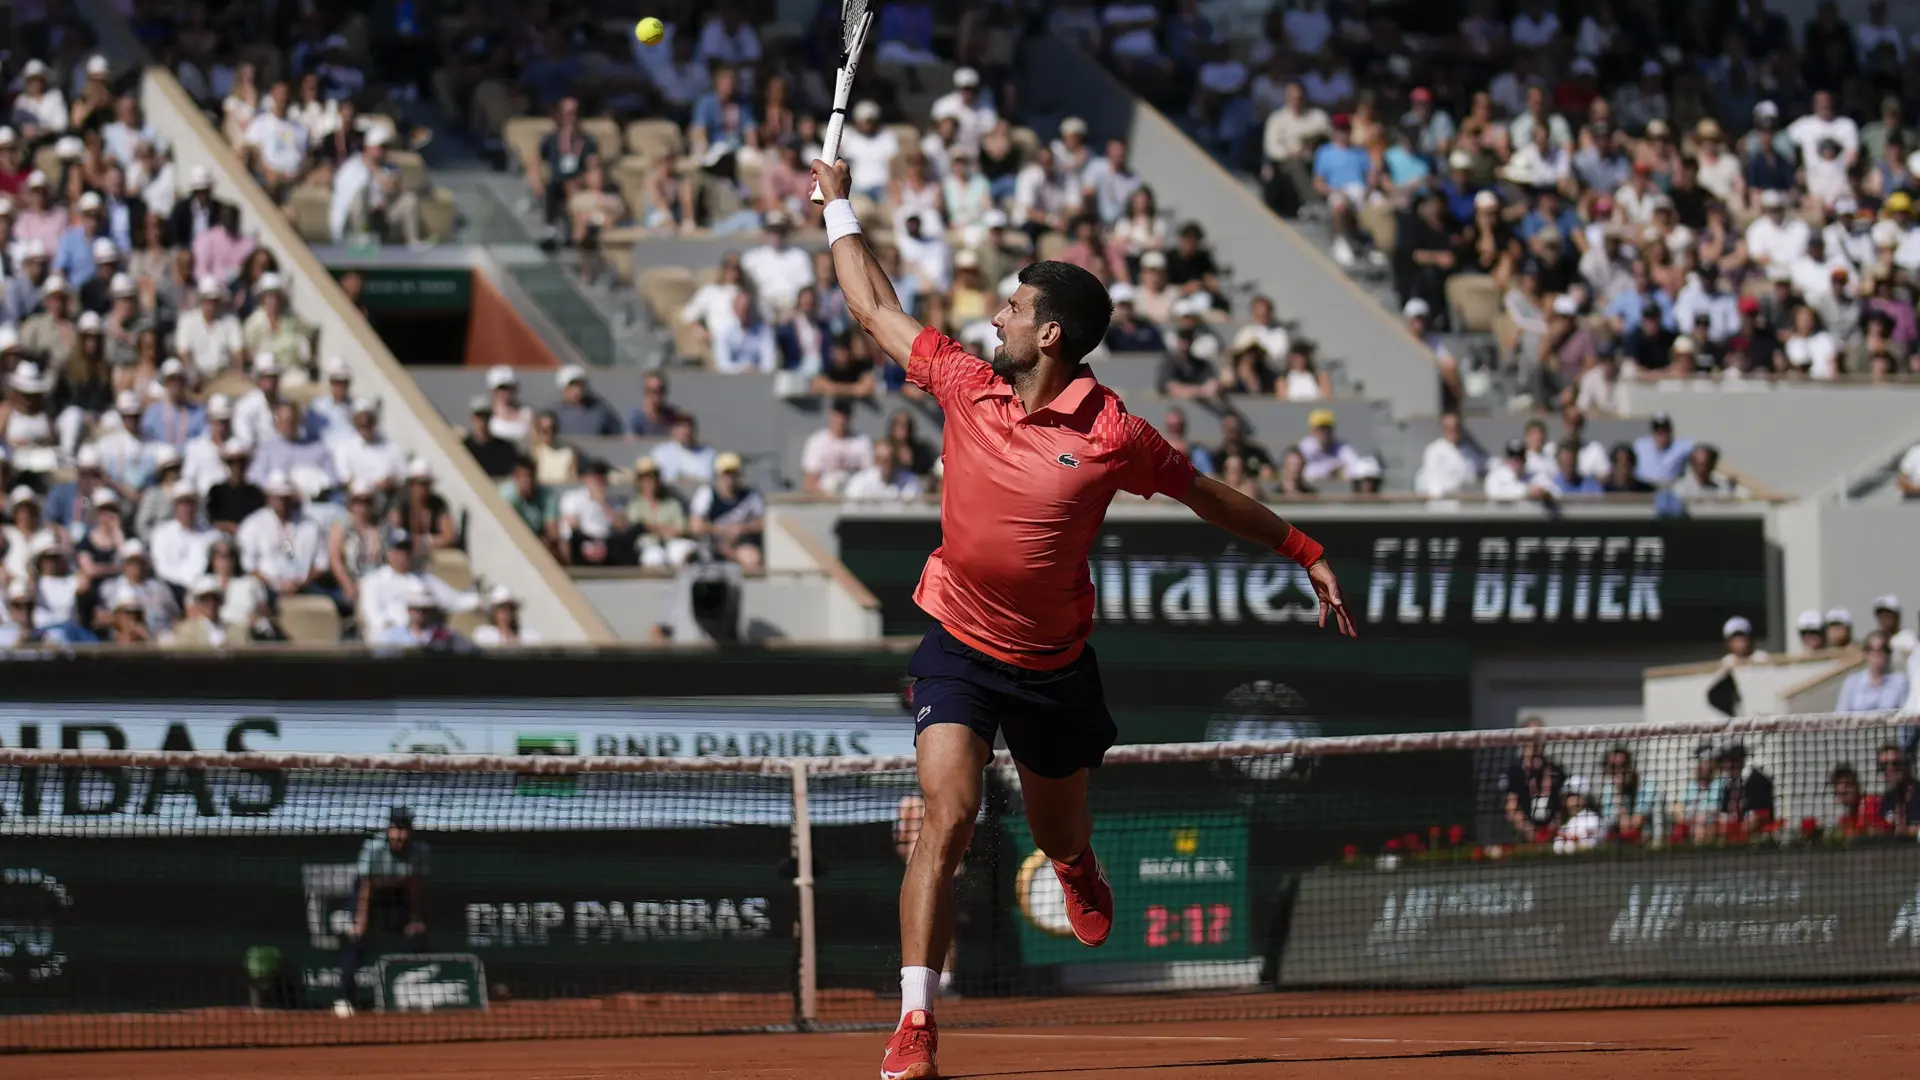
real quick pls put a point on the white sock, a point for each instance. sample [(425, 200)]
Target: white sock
[(916, 989)]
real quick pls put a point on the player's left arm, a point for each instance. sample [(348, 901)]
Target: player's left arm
[(1251, 520)]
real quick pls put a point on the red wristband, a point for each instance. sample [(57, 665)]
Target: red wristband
[(1301, 548)]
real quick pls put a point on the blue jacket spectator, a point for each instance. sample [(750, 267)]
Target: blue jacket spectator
[(1658, 457)]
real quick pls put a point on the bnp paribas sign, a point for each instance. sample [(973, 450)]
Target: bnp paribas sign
[(1424, 576)]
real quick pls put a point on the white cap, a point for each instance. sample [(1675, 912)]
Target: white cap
[(379, 136), (366, 405), (967, 259), (336, 370), (866, 110), (128, 600), (1840, 615), (27, 378), (133, 549), (35, 69), (7, 136), (569, 375), (501, 375), (1459, 159), (1415, 308), (236, 447), (363, 489), (419, 596), (199, 178), (37, 178), (1773, 199), (206, 585), (55, 283), (1886, 234), (21, 495), (418, 469), (1767, 109), (996, 218), (209, 287), (19, 590), (106, 499), (269, 282), (312, 481), (1367, 468), (1153, 260), (126, 401), (1204, 347), (280, 484), (220, 407), (1685, 344), (1565, 305), (33, 249), (265, 363), (89, 323), (965, 77), (1194, 304), (1121, 293), (1073, 125), (1809, 620), (69, 148), (501, 595), (1736, 625), (1576, 785), (166, 457), (184, 489), (121, 285), (97, 67), (87, 203), (1889, 602), (1779, 272), (88, 457), (173, 368), (1486, 200)]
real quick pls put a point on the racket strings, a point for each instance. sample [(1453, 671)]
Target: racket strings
[(852, 14)]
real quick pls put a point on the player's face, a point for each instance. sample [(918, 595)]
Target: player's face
[(1019, 349), (397, 836)]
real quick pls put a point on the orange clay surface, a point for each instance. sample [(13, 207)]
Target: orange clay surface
[(1748, 1043)]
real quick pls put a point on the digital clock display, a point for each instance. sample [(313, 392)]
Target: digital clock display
[(1195, 924)]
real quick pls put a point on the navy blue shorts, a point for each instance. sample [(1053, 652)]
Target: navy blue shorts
[(1055, 722)]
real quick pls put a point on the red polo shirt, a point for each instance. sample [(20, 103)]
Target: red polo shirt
[(1023, 497)]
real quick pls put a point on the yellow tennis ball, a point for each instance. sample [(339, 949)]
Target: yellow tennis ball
[(650, 30)]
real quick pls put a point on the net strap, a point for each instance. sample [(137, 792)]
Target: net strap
[(1148, 753)]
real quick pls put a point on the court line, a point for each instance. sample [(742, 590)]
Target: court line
[(1087, 1038), (1470, 1042)]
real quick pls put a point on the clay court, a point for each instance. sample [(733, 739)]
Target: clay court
[(1751, 1042)]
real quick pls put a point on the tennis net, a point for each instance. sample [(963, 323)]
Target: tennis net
[(154, 899)]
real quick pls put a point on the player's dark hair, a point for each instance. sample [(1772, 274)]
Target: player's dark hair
[(1075, 299)]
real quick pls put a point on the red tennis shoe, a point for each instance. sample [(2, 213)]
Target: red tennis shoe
[(911, 1051), (1089, 898)]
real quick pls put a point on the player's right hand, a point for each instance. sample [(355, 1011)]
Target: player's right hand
[(833, 180), (1328, 590)]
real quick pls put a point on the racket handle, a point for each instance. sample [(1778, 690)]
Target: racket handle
[(830, 141), (818, 198)]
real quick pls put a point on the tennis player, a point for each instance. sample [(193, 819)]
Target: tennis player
[(1034, 450)]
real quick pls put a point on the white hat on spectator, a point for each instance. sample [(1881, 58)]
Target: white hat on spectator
[(133, 549), (1886, 234), (362, 489), (379, 135), (1193, 304), (1889, 602), (106, 499), (265, 363), (269, 282), (501, 596), (1657, 129), (35, 69), (128, 600), (19, 590), (9, 338), (420, 598), (1415, 308), (418, 469), (87, 203), (1073, 125), (1153, 260), (20, 496), (173, 369), (500, 375), (726, 462), (6, 205), (866, 110), (183, 491), (1486, 200), (1204, 347), (88, 457), (1772, 199), (166, 457), (89, 323), (1566, 305), (966, 259), (48, 544), (995, 218), (965, 78), (206, 585), (236, 447), (1809, 620), (1459, 159), (570, 374), (126, 401), (1736, 625), (312, 481), (366, 405), (199, 178), (1778, 272), (69, 148), (1576, 785), (209, 288), (97, 67), (776, 218), (121, 286), (7, 136), (1766, 110), (1840, 616), (1122, 293), (220, 407), (33, 249), (1367, 468), (1685, 344), (336, 369), (37, 178), (55, 283), (280, 485)]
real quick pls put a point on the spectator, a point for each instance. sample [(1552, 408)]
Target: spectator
[(1450, 463), (207, 337), (426, 626), (592, 521), (1509, 479), (1748, 799), (1738, 633), (869, 150), (1155, 296), (136, 589), (423, 513), (1886, 616), (1532, 788), (1187, 372), (846, 375), (1290, 481), (1703, 479), (1342, 173), (384, 592), (728, 515), (1127, 332), (746, 342), (1567, 478), (40, 220), (494, 456), (511, 420), (1234, 441), (553, 462), (1900, 806), (560, 159), (537, 504), (654, 416), (278, 544), (835, 453), (1877, 686), (684, 461), (289, 448), (1659, 458), (1854, 814), (367, 454), (1235, 473), (1623, 476), (199, 211), (52, 333), (368, 198), (199, 627), (1839, 629), (581, 411), (802, 335), (777, 269), (26, 530), (202, 462), (245, 602), (1812, 630), (658, 520), (273, 330), (181, 543), (503, 629), (972, 114), (330, 416), (276, 145), (1583, 828), (1325, 456), (155, 502)]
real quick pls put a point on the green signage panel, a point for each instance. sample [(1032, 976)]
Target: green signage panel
[(1180, 891), (429, 982), (407, 290)]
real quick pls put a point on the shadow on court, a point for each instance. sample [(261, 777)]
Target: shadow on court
[(1217, 1063)]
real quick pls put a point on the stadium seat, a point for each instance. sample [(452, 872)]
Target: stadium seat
[(312, 207), (606, 135), (522, 134), (496, 104), (1052, 244), (1474, 301), (466, 622), (652, 140), (666, 289), (451, 566), (1027, 139), (413, 169), (310, 620), (437, 214)]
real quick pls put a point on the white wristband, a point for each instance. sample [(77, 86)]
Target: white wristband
[(840, 220)]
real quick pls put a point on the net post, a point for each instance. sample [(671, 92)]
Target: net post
[(808, 1003)]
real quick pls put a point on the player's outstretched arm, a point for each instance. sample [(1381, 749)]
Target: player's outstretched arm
[(870, 296), (1250, 520)]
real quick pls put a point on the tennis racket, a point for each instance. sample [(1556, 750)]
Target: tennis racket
[(856, 18)]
